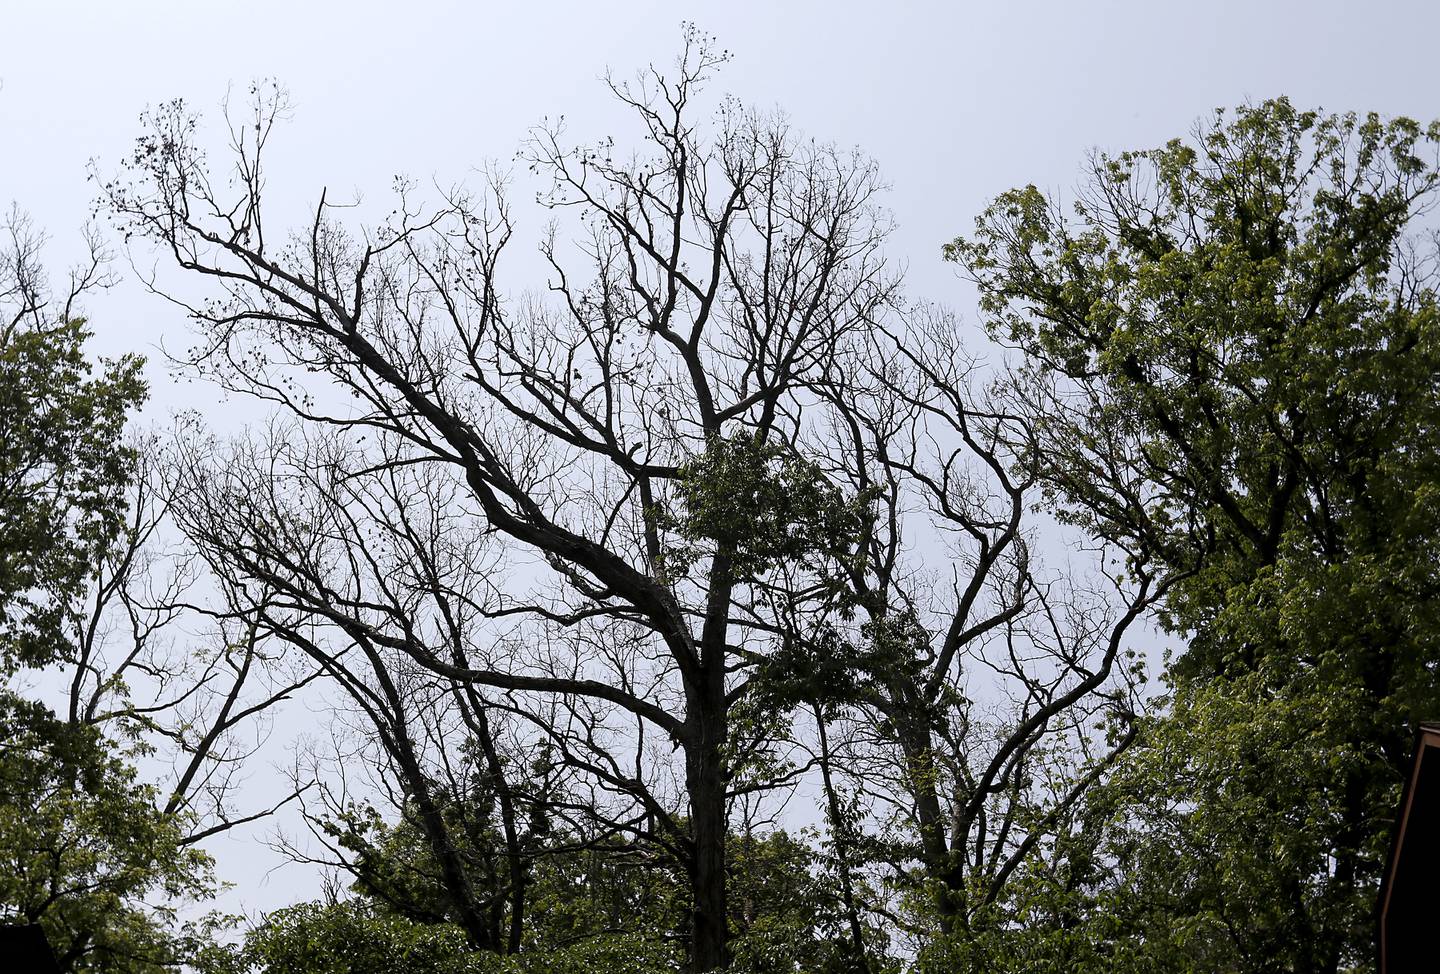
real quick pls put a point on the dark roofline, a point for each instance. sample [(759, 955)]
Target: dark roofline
[(1427, 735)]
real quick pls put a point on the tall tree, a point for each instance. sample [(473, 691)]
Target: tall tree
[(986, 692), (715, 277), (64, 469), (1231, 353)]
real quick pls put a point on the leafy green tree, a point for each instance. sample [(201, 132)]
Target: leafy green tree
[(88, 850), (63, 467), (84, 851), (1230, 352)]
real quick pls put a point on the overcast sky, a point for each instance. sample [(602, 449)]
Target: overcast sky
[(956, 101)]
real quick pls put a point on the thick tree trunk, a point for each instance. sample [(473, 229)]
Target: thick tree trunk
[(709, 927), (707, 780)]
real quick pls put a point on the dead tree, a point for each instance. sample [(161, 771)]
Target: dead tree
[(171, 653), (710, 282), (375, 573)]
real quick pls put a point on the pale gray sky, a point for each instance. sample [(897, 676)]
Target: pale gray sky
[(957, 102)]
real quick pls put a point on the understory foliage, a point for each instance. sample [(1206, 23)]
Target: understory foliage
[(83, 851), (591, 909)]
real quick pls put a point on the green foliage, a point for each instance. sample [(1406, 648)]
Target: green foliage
[(83, 850), (357, 937), (1240, 804), (595, 894), (763, 506), (1233, 348), (786, 916), (610, 907), (351, 938), (829, 667), (394, 864), (63, 474)]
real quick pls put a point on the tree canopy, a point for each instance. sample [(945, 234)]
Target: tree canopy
[(595, 584), (1231, 346)]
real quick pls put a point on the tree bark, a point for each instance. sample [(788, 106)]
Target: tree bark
[(707, 778), (914, 740), (710, 948)]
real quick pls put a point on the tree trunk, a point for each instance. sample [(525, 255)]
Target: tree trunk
[(839, 835), (705, 773), (920, 769), (706, 777)]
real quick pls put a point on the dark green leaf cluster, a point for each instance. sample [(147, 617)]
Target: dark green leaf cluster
[(761, 506)]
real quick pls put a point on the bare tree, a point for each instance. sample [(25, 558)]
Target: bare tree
[(711, 283), (368, 569), (165, 652), (996, 691)]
